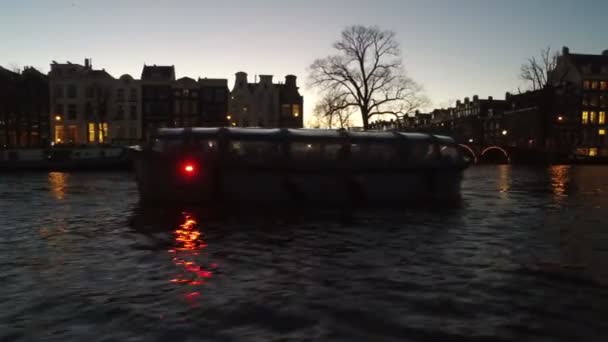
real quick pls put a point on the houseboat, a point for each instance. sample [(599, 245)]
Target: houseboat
[(64, 158), (198, 165)]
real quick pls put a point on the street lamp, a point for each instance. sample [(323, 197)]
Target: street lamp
[(504, 132), (471, 140), (228, 117), (57, 118), (560, 118)]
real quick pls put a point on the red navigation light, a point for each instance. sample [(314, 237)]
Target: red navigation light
[(189, 168)]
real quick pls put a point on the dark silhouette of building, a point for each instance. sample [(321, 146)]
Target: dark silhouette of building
[(214, 101), (157, 92), (264, 103), (186, 103), (24, 108)]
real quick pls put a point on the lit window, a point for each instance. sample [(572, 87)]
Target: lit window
[(295, 110), (602, 118), (592, 117), (585, 118), (602, 132), (586, 84), (594, 84), (59, 134), (603, 85), (593, 152), (91, 131)]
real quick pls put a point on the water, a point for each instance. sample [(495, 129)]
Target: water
[(522, 258)]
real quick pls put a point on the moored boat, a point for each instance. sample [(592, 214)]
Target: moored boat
[(65, 158), (192, 165)]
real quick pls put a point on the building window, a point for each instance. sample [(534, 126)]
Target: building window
[(585, 101), (285, 109), (59, 109), (133, 112), (120, 94), (295, 110), (58, 91), (71, 112), (133, 95), (59, 134), (594, 85), (90, 91), (602, 132), (593, 152), (71, 91), (103, 131), (120, 112), (71, 135), (594, 101), (186, 92), (603, 85), (586, 84), (601, 118), (585, 117), (132, 132), (592, 117), (91, 132)]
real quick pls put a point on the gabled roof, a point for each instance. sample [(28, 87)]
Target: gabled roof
[(153, 72)]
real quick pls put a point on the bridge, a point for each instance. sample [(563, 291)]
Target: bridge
[(499, 154)]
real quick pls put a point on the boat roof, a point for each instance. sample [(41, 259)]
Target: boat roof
[(250, 133)]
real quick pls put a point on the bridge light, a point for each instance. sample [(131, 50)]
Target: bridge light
[(471, 140), (504, 132), (560, 118)]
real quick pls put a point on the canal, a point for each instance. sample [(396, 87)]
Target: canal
[(522, 257)]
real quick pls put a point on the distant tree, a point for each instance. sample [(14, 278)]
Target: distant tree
[(542, 71), (333, 111), (368, 74)]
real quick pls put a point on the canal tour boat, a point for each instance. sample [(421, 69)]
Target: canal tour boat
[(315, 166)]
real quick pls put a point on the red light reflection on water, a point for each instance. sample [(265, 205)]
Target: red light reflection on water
[(188, 244)]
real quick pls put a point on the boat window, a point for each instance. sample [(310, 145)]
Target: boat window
[(305, 153), (375, 154), (254, 152), (166, 145), (449, 153), (421, 152)]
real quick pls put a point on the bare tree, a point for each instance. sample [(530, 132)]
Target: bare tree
[(332, 112), (367, 72), (542, 71)]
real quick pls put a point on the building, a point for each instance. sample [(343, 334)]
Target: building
[(90, 106), (581, 82), (214, 102), (186, 103), (157, 86), (125, 125), (24, 108), (265, 104)]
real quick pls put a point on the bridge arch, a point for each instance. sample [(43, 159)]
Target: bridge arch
[(493, 149), (470, 151)]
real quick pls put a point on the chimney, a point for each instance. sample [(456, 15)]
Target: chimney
[(466, 100), (475, 98), (565, 51), (241, 79), (605, 53), (490, 98), (87, 63), (290, 81)]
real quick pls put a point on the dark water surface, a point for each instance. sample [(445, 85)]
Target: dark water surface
[(524, 258)]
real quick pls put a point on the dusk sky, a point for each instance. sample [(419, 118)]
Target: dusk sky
[(453, 48)]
